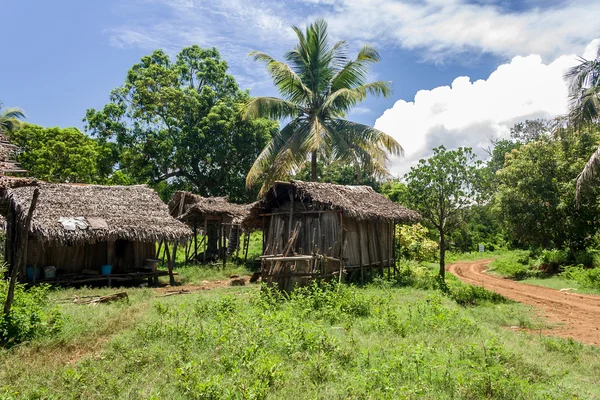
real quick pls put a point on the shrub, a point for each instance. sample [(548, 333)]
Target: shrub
[(30, 315), (414, 243), (588, 277)]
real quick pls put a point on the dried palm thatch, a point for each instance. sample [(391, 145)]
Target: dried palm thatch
[(8, 152), (133, 213), (588, 175), (358, 202), (198, 207)]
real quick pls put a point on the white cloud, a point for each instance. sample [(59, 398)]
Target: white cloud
[(472, 113)]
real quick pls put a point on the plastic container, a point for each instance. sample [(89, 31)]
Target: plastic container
[(49, 272), (106, 269), (30, 271)]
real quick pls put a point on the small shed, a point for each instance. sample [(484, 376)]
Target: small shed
[(77, 229), (215, 220), (326, 230)]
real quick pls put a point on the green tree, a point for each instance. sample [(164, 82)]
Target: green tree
[(441, 188), (536, 194), (338, 172), (177, 124), (319, 85), (59, 154), (10, 119)]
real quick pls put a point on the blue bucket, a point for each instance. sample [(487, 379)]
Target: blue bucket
[(106, 269), (30, 270)]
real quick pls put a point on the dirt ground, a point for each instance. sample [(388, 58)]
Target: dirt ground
[(577, 315), (204, 285)]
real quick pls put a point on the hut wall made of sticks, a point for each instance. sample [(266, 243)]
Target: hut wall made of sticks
[(349, 229)]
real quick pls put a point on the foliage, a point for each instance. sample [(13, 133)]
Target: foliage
[(587, 277), (584, 90), (536, 192), (62, 154), (319, 84), (30, 315), (395, 190), (516, 265), (442, 188), (384, 340), (179, 122), (10, 119), (414, 243), (338, 172), (479, 225)]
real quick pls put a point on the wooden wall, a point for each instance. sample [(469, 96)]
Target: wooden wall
[(73, 259), (367, 243)]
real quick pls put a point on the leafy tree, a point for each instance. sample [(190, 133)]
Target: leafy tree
[(531, 130), (319, 85), (395, 190), (10, 119), (338, 172), (536, 195), (442, 188), (60, 154), (180, 122)]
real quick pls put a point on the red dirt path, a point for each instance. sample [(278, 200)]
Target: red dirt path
[(578, 314)]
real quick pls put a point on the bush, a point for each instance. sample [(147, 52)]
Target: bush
[(516, 265), (554, 258), (588, 277), (414, 243), (30, 315)]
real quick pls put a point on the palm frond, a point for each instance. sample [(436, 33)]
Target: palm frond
[(290, 85), (271, 107), (284, 152), (355, 72), (588, 175), (366, 134), (10, 119)]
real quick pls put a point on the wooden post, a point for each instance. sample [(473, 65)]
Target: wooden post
[(169, 265), (173, 259), (195, 239), (341, 252), (394, 250), (22, 250), (369, 257), (224, 247), (379, 245), (205, 240), (360, 257), (291, 213)]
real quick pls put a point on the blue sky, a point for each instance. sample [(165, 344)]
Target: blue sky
[(67, 55)]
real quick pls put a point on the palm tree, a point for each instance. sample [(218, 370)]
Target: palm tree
[(319, 85), (584, 96), (10, 119)]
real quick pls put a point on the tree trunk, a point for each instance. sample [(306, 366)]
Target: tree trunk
[(20, 254), (358, 174), (442, 255), (313, 166)]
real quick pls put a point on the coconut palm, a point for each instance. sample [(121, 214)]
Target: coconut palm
[(584, 90), (584, 96), (10, 119), (319, 85)]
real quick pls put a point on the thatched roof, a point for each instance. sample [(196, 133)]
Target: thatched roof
[(198, 207), (129, 212), (359, 202)]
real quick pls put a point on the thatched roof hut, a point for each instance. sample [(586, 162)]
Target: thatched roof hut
[(358, 202), (322, 229), (77, 228), (217, 218), (187, 206), (134, 213)]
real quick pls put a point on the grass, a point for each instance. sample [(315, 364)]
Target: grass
[(519, 266), (402, 339)]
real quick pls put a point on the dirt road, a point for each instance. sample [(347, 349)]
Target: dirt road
[(578, 315)]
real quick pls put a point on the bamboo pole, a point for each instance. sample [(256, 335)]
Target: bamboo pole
[(360, 257)]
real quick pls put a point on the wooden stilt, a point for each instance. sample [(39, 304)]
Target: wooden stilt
[(360, 256)]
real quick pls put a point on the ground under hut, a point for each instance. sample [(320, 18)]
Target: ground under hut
[(323, 230), (79, 234), (216, 224)]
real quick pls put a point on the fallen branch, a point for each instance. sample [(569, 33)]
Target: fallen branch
[(102, 299)]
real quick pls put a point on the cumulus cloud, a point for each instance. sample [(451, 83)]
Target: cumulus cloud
[(473, 113)]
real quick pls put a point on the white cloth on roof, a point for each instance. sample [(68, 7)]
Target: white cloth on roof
[(72, 223)]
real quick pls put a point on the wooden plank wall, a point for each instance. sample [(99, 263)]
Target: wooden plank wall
[(73, 259), (373, 242)]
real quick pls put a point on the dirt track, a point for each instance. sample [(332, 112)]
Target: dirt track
[(578, 314)]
